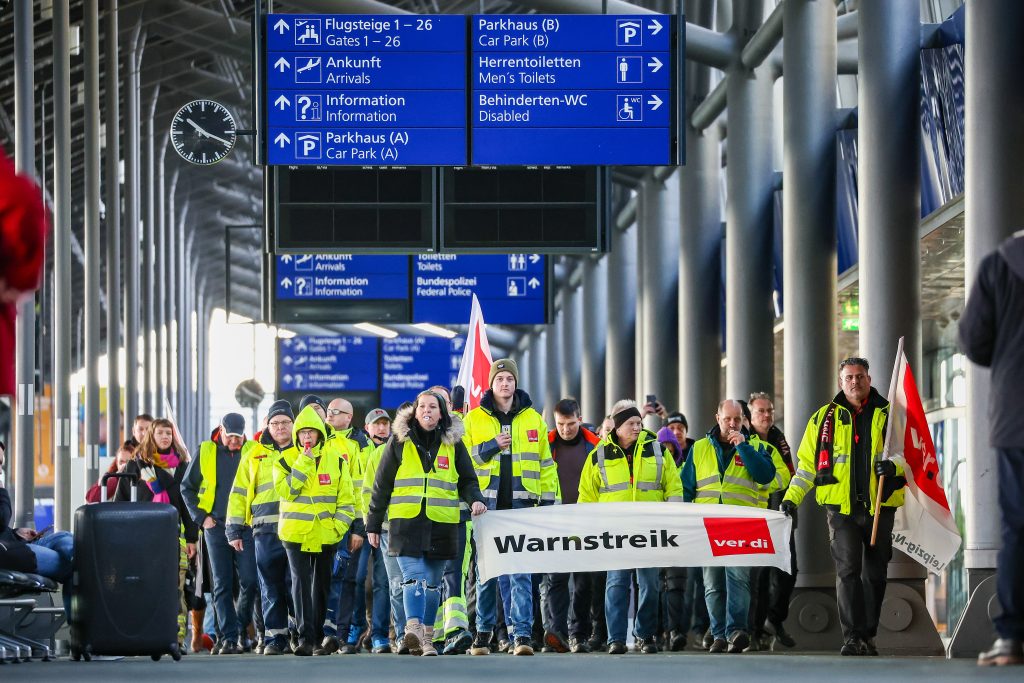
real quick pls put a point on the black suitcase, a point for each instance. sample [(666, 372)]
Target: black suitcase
[(125, 599)]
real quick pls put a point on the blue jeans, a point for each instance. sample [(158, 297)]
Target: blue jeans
[(394, 576), (342, 592), (695, 607), (227, 563), (272, 562), (727, 592), (421, 587), (358, 619), (616, 602), (519, 615), (381, 613), (55, 553)]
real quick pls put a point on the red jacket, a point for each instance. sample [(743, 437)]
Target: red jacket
[(23, 228)]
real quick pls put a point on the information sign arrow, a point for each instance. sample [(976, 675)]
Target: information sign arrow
[(281, 26)]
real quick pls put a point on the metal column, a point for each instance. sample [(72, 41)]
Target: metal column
[(620, 362), (994, 205), (112, 158), (91, 43), (595, 329), (132, 302), (809, 284), (889, 207), (749, 309), (63, 318), (25, 325), (538, 366), (659, 357), (552, 371), (148, 269), (572, 343), (700, 272)]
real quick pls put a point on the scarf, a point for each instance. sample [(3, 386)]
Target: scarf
[(167, 461), (826, 449)]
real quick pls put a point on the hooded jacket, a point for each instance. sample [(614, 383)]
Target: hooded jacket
[(992, 335), (420, 536), (317, 502)]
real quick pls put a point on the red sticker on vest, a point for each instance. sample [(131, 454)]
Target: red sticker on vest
[(738, 460), (325, 479), (531, 435), (442, 462)]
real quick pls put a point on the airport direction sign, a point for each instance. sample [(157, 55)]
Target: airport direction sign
[(365, 90), (328, 363), (571, 89), (341, 277), (512, 288), (410, 365)]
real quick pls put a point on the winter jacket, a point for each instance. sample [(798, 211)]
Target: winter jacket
[(992, 335), (14, 552), (420, 536), (227, 467), (171, 483)]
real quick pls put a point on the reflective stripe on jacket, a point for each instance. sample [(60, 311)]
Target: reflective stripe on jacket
[(843, 448), (607, 477), (534, 477), (254, 501), (440, 486), (734, 486), (317, 503)]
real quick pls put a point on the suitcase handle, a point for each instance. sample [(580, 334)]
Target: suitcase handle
[(132, 476)]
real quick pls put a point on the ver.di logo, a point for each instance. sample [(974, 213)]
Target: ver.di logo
[(739, 536)]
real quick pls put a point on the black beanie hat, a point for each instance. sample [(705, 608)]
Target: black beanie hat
[(281, 407), (310, 399)]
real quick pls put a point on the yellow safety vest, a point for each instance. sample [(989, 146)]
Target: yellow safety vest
[(782, 475), (653, 478), (208, 470), (733, 487), (439, 486), (317, 502), (253, 501), (534, 477), (839, 493)]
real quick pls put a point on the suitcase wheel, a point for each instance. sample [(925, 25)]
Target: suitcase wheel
[(155, 658), (175, 652), (76, 654), (87, 653)]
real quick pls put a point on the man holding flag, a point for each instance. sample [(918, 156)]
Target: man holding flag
[(840, 454)]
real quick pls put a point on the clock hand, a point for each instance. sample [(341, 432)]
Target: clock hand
[(202, 132)]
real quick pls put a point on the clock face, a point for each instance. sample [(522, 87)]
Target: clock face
[(203, 132)]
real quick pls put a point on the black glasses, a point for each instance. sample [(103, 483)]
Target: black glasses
[(337, 411)]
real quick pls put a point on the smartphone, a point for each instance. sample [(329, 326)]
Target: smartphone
[(652, 400), (40, 534)]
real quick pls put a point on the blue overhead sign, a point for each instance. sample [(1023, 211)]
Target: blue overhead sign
[(410, 365), (341, 277), (365, 90), (571, 89), (328, 364), (512, 288)]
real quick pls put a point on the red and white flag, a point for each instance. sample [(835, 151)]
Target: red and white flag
[(476, 359), (924, 527)]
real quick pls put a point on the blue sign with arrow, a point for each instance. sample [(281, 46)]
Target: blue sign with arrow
[(328, 363), (572, 89), (512, 288), (410, 365), (350, 90), (341, 277)]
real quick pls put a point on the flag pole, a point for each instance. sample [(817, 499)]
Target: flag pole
[(893, 385)]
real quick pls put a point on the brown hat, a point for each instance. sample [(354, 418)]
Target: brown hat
[(503, 365)]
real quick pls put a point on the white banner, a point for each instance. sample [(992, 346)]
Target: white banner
[(602, 536)]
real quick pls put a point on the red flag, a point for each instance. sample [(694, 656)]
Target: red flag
[(924, 527), (476, 359)]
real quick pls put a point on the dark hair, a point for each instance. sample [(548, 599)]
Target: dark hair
[(445, 423), (678, 417), (745, 407), (853, 360), (568, 407), (143, 416)]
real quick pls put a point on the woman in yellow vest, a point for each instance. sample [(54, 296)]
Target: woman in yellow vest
[(317, 507), (424, 471)]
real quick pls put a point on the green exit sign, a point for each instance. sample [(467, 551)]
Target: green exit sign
[(851, 324)]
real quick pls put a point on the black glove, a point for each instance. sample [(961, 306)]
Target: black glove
[(885, 468), (788, 508), (891, 486)]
